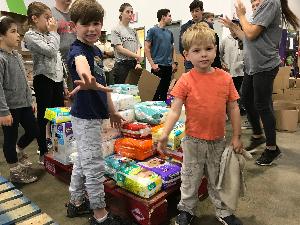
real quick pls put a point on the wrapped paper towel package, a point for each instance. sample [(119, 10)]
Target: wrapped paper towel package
[(122, 101), (139, 181), (169, 172), (152, 112), (175, 136), (58, 114), (127, 89), (139, 149), (136, 130)]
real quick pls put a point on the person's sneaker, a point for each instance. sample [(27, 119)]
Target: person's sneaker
[(41, 160), (111, 220), (184, 218), (49, 143), (74, 210), (268, 156), (230, 220), (254, 143), (19, 174), (38, 151), (246, 125)]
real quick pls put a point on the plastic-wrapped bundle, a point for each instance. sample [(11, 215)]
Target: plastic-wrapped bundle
[(174, 141), (139, 149), (122, 101), (139, 181), (114, 163), (127, 89), (152, 112), (58, 114), (169, 172), (108, 147), (107, 135), (136, 130)]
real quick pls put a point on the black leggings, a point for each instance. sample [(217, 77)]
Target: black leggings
[(25, 117), (121, 70), (165, 75), (48, 94), (257, 99)]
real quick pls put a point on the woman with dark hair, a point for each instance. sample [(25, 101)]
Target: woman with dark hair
[(126, 45), (261, 42)]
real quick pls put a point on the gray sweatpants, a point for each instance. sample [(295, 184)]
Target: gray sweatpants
[(201, 157), (88, 169)]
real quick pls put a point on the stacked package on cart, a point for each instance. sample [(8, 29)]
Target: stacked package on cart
[(173, 150), (124, 104), (133, 177), (169, 172), (137, 143), (62, 138)]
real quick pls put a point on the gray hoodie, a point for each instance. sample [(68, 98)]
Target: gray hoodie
[(44, 49), (14, 90)]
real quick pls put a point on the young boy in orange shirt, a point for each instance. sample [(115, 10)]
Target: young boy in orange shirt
[(206, 93)]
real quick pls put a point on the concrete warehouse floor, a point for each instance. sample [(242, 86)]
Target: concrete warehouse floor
[(272, 197)]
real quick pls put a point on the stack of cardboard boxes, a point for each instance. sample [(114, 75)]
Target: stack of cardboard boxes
[(286, 100)]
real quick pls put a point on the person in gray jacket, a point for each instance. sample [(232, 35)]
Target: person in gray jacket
[(43, 42), (15, 104)]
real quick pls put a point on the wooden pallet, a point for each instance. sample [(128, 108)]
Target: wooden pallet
[(152, 211), (17, 209)]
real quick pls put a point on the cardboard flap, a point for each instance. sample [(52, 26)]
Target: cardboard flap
[(147, 85), (133, 76)]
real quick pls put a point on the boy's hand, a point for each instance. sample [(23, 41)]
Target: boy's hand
[(89, 83), (116, 120), (162, 144), (237, 144), (6, 120)]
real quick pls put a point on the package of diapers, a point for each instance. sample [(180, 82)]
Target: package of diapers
[(139, 181), (113, 163), (136, 130), (169, 172), (174, 141), (128, 115), (122, 101), (152, 112), (139, 149), (127, 89), (58, 114), (108, 147)]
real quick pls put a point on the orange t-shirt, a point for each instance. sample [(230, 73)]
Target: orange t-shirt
[(205, 96)]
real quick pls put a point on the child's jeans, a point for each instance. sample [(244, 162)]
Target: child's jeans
[(201, 157), (88, 169)]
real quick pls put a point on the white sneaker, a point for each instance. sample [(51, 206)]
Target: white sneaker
[(23, 158), (246, 125), (41, 160)]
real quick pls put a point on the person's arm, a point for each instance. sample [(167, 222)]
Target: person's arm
[(175, 63), (234, 27), (87, 81), (251, 31), (235, 118), (127, 52), (182, 30), (5, 116), (149, 57), (172, 118)]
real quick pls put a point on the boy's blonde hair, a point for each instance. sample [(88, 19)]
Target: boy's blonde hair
[(198, 33), (86, 11)]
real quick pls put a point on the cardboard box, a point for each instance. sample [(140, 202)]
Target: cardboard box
[(180, 68), (147, 85), (133, 76), (298, 83), (287, 115), (292, 82), (282, 79)]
